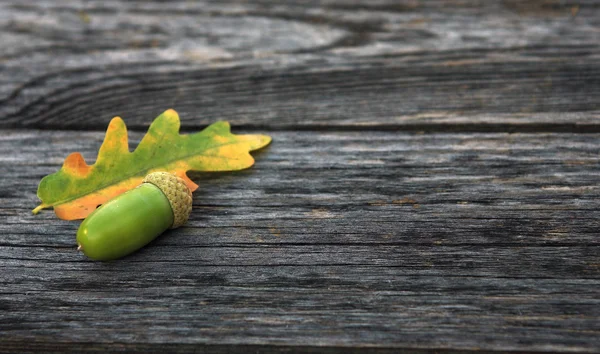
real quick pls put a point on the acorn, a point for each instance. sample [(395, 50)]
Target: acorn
[(135, 218)]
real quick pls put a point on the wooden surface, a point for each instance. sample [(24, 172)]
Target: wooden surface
[(432, 185)]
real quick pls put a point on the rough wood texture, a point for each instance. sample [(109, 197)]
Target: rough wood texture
[(432, 184), (286, 64)]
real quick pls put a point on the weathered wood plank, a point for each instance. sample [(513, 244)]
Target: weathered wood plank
[(434, 179), (412, 65), (344, 239), (360, 229)]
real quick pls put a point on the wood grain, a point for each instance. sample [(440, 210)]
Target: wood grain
[(374, 239), (432, 185), (287, 64)]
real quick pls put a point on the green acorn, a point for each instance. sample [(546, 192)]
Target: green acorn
[(135, 218)]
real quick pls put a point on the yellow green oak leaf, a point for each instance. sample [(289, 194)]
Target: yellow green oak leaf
[(78, 188)]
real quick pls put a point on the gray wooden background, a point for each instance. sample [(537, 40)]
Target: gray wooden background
[(432, 185)]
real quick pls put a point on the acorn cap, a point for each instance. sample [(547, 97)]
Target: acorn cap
[(177, 193)]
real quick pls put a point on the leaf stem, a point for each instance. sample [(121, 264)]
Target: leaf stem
[(39, 207)]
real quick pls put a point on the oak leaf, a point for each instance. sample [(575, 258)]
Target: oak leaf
[(78, 188)]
